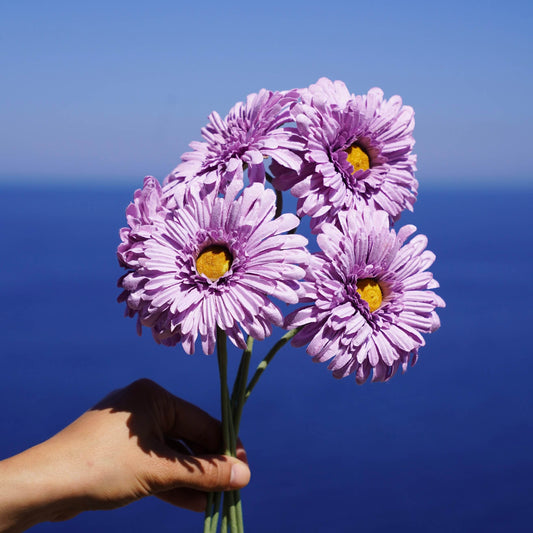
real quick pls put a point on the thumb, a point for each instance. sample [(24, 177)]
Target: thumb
[(211, 473)]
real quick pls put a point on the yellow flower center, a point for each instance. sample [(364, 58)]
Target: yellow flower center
[(370, 292), (357, 158), (214, 261)]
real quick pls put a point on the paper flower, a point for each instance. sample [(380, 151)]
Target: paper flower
[(216, 261), (248, 135), (358, 152), (209, 254), (142, 214), (369, 303)]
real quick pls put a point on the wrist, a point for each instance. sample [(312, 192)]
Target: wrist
[(31, 490), (20, 505)]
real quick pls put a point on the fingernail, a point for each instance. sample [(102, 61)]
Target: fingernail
[(240, 475)]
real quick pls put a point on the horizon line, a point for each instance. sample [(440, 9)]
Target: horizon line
[(119, 181)]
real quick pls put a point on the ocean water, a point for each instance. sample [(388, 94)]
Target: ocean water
[(446, 447)]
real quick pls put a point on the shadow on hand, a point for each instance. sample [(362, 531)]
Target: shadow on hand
[(166, 426)]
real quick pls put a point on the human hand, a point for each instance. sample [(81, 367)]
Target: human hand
[(137, 441)]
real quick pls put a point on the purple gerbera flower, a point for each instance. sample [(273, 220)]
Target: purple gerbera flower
[(250, 133), (215, 262), (369, 298), (142, 214), (358, 152)]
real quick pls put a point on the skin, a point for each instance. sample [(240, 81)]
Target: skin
[(138, 441)]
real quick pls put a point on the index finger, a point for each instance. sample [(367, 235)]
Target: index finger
[(198, 429), (192, 424)]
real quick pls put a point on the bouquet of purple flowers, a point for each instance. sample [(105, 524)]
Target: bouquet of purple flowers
[(209, 250)]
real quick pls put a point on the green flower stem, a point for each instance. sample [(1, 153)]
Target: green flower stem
[(209, 512), (231, 430), (237, 396), (279, 196), (238, 511), (279, 204), (228, 433), (233, 523), (268, 358), (216, 512), (222, 353), (237, 402), (224, 524), (242, 373), (231, 417)]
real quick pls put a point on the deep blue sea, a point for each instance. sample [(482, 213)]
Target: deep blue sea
[(446, 447)]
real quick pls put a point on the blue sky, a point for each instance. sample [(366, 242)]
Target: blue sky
[(112, 91)]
